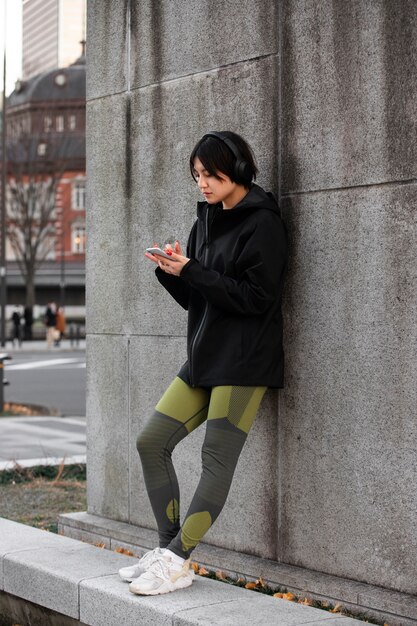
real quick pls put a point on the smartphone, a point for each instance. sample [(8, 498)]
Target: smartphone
[(159, 252)]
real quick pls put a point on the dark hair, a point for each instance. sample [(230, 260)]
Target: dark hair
[(216, 156)]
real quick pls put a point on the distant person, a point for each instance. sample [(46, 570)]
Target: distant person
[(50, 323), (16, 327), (28, 315), (59, 326)]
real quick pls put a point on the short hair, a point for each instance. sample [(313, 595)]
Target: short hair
[(216, 156)]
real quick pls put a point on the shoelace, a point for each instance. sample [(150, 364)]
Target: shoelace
[(149, 557), (160, 568)]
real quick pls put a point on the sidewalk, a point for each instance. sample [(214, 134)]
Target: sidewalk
[(31, 441), (40, 346)]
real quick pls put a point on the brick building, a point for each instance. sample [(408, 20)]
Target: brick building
[(46, 148)]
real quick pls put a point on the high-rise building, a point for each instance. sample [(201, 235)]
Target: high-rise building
[(52, 31)]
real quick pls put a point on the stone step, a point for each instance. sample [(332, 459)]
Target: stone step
[(80, 581)]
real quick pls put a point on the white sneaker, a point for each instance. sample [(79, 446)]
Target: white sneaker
[(134, 571), (163, 576)]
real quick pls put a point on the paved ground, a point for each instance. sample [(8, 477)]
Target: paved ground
[(42, 440), (48, 379), (30, 346)]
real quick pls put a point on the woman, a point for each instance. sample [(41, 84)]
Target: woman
[(230, 280)]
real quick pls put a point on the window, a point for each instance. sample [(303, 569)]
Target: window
[(41, 149), (47, 123), (72, 122), (78, 238), (59, 123), (78, 194)]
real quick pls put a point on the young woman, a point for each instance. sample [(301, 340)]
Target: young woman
[(230, 280)]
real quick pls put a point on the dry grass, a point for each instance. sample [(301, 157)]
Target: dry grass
[(37, 496)]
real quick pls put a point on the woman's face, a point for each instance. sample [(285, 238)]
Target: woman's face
[(213, 189)]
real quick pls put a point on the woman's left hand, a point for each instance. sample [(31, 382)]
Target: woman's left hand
[(173, 266)]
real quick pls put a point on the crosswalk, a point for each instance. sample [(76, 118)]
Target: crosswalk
[(60, 363), (32, 441)]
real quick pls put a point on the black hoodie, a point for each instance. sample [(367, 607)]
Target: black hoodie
[(232, 287)]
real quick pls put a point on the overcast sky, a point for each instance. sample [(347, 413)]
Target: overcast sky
[(13, 41)]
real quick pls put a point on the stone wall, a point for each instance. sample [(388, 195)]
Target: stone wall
[(325, 93)]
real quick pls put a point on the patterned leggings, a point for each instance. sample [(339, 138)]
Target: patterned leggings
[(230, 413)]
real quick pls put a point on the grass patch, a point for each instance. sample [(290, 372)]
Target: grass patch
[(37, 495), (49, 472)]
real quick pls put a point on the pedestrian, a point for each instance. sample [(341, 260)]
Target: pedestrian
[(59, 326), (230, 279), (28, 315), (50, 322), (16, 317)]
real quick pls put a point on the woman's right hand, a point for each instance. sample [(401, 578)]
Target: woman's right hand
[(177, 249), (151, 256)]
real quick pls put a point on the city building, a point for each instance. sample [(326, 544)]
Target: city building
[(46, 157), (52, 30)]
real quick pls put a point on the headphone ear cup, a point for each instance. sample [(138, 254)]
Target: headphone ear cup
[(243, 172)]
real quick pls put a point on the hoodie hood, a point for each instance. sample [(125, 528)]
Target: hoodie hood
[(256, 198)]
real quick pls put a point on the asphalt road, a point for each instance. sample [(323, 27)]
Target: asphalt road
[(53, 379)]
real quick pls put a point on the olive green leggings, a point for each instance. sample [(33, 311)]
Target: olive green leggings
[(229, 412)]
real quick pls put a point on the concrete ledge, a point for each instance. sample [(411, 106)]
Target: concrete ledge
[(395, 608), (81, 582)]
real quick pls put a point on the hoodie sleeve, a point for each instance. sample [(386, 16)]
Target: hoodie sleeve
[(260, 266), (175, 285)]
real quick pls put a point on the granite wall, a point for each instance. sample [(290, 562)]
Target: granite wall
[(325, 93)]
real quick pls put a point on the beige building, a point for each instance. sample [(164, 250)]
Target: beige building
[(52, 31)]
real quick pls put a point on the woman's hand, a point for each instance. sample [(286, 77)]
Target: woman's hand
[(169, 266)]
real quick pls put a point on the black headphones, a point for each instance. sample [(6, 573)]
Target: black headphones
[(242, 170)]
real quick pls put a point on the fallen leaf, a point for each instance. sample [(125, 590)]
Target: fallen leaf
[(289, 596), (278, 595), (240, 580), (195, 566), (337, 608), (221, 575), (250, 586), (202, 571), (124, 551), (306, 601), (100, 545), (261, 582)]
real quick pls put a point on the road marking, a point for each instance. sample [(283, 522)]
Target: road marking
[(35, 364)]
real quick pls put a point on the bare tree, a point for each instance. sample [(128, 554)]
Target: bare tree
[(31, 226), (36, 164)]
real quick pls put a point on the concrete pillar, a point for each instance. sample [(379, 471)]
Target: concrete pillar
[(325, 93), (347, 425)]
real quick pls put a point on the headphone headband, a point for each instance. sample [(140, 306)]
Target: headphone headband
[(229, 143), (242, 169)]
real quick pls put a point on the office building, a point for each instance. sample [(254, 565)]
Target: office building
[(52, 31)]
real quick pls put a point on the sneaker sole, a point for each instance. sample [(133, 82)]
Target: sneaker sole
[(131, 579), (180, 583)]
